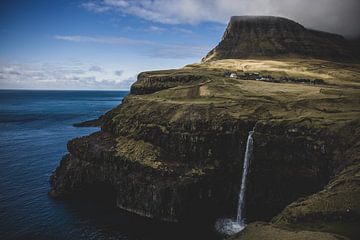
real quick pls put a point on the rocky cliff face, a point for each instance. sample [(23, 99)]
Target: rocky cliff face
[(249, 37), (173, 150)]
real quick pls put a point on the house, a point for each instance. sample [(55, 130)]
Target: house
[(233, 75)]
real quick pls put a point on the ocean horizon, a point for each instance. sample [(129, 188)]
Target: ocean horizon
[(180, 120)]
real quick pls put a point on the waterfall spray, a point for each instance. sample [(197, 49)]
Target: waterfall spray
[(229, 226)]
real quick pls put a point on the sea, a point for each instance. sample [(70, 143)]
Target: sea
[(35, 127)]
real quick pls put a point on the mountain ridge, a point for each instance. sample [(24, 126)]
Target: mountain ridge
[(249, 37)]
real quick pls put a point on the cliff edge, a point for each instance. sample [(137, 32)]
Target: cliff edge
[(173, 149)]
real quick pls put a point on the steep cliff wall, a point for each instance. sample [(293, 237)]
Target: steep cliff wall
[(173, 150), (176, 154)]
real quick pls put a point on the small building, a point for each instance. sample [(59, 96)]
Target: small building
[(233, 75)]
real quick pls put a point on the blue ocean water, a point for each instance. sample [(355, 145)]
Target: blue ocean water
[(34, 129)]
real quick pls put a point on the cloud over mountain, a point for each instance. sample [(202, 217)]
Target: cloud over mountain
[(328, 15)]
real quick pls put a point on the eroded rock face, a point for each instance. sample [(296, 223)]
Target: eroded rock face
[(289, 161), (149, 178), (177, 167), (154, 81), (173, 150), (150, 83), (265, 36)]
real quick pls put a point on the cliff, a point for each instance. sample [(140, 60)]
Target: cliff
[(173, 149), (249, 37)]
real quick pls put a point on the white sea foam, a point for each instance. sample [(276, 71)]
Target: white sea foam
[(228, 226)]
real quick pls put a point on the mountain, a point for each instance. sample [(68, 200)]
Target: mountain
[(173, 149), (275, 37)]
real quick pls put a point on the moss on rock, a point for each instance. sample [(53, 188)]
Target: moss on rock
[(264, 231)]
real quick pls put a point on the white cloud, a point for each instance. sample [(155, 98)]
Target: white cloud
[(93, 7), (148, 48), (105, 40), (182, 30), (55, 76), (154, 29), (329, 15), (117, 3)]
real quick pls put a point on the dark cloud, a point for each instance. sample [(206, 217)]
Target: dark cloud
[(119, 73), (95, 69)]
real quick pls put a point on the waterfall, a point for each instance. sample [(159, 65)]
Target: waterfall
[(249, 147), (230, 226)]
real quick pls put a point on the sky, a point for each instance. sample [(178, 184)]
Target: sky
[(104, 44)]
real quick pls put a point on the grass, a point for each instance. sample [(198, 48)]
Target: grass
[(265, 231), (346, 75), (348, 229), (142, 152), (337, 101)]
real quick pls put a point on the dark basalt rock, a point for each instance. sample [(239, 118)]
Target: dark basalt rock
[(193, 171), (148, 82), (154, 81), (166, 191), (289, 161), (276, 37), (89, 123), (173, 150), (177, 161)]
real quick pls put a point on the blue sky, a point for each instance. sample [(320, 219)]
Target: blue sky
[(104, 44)]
